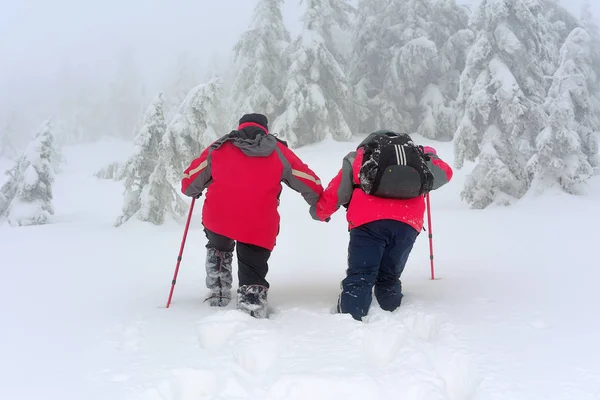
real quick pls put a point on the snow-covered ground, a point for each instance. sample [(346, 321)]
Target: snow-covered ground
[(511, 315)]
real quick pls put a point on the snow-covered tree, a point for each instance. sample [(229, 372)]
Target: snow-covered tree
[(26, 198), (427, 59), (588, 22), (259, 62), (369, 65), (316, 94), (563, 22), (143, 162), (502, 91), (333, 21), (8, 190), (406, 65), (113, 171), (453, 39), (563, 147), (159, 198), (197, 123)]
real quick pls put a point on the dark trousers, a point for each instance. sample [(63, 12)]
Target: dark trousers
[(252, 260), (377, 255)]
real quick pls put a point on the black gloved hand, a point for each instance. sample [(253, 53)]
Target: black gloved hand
[(197, 197)]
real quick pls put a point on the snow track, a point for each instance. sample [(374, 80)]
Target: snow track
[(300, 354)]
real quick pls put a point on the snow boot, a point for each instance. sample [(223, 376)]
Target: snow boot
[(218, 277), (252, 299)]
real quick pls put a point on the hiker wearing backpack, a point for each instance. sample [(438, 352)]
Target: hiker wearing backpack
[(382, 185), (242, 173)]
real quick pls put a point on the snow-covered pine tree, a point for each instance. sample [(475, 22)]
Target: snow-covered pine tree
[(159, 198), (563, 22), (260, 64), (427, 58), (9, 188), (143, 162), (453, 38), (334, 23), (588, 22), (560, 146), (197, 123), (113, 171), (501, 99), (316, 94), (368, 65), (406, 65), (26, 198)]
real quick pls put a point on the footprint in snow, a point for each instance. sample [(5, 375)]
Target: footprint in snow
[(185, 384), (256, 351), (214, 331), (445, 353), (458, 370), (382, 342), (423, 326)]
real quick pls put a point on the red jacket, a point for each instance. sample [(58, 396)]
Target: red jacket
[(243, 172), (364, 208)]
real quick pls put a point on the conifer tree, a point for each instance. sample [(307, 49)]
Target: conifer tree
[(143, 162), (26, 198)]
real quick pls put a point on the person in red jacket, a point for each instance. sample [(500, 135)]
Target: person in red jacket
[(242, 173), (382, 232)]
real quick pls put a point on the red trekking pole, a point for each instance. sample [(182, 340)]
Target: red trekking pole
[(185, 232), (430, 235)]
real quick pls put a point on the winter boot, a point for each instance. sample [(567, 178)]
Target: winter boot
[(218, 277), (252, 299)]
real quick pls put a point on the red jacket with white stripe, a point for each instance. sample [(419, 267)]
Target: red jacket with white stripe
[(243, 172), (364, 208)]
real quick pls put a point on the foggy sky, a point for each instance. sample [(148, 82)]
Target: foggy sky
[(44, 41)]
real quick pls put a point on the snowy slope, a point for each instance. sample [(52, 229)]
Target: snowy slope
[(510, 317)]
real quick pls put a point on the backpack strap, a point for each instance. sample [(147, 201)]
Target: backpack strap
[(422, 151), (283, 142)]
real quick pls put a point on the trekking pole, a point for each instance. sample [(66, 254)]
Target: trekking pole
[(185, 232), (430, 235)]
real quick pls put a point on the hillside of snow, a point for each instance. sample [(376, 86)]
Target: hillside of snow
[(510, 315)]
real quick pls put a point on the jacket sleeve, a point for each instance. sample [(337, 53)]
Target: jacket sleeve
[(338, 192), (198, 175), (298, 176), (442, 172)]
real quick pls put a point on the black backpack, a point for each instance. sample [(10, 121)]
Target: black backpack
[(393, 167)]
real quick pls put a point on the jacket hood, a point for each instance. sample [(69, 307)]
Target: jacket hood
[(254, 142)]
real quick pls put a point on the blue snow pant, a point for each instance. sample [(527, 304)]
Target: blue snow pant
[(377, 254)]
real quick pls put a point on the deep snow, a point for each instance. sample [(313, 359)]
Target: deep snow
[(511, 315)]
